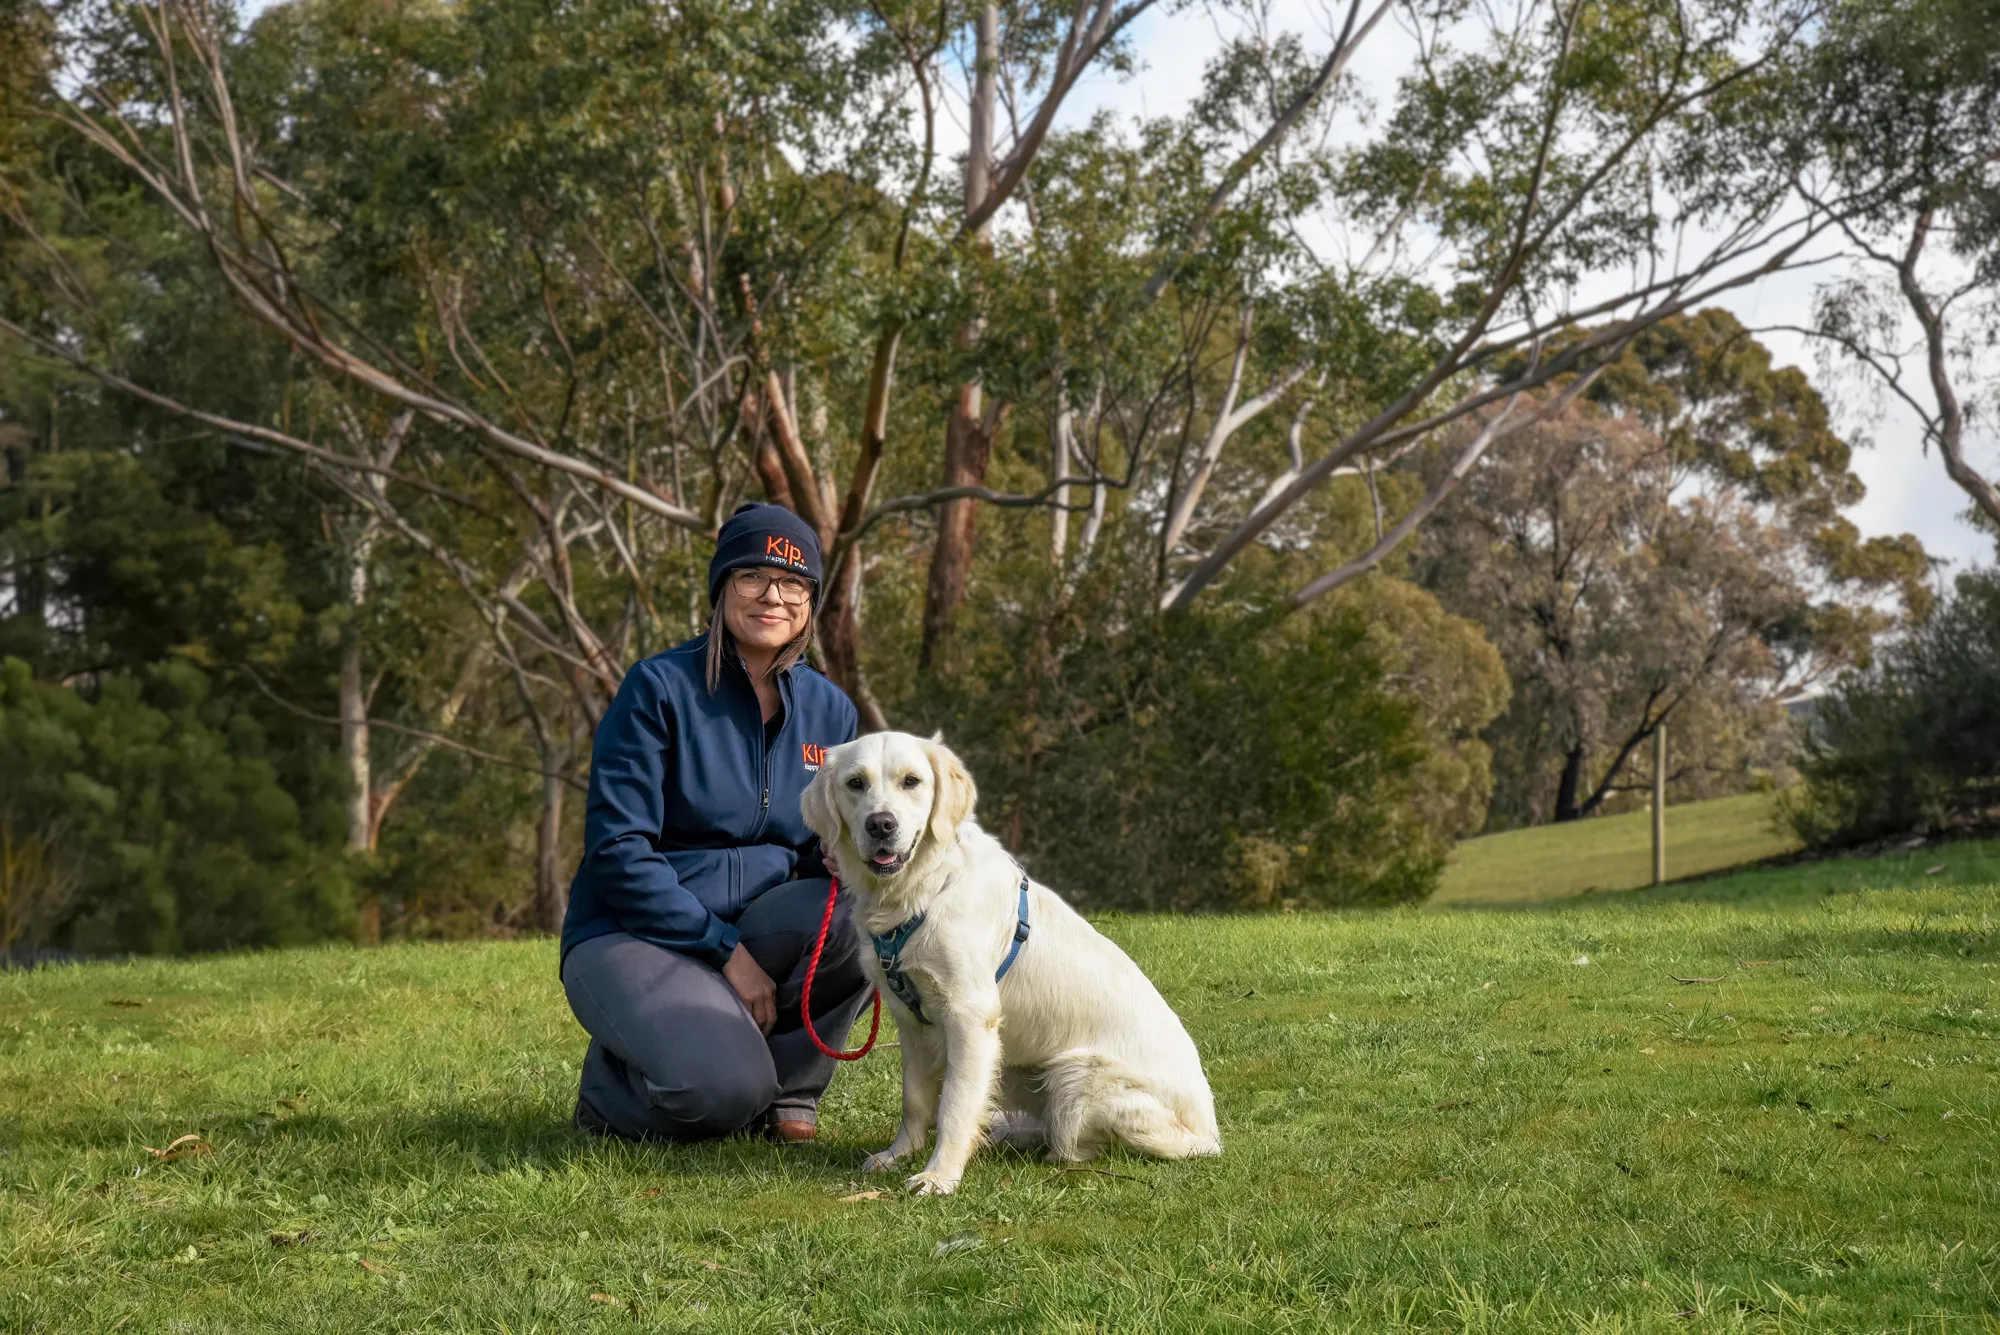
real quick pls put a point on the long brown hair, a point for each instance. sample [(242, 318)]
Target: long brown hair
[(722, 645)]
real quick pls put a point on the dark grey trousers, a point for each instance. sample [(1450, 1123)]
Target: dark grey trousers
[(674, 1054)]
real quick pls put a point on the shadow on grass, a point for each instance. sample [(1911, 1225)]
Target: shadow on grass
[(464, 1140)]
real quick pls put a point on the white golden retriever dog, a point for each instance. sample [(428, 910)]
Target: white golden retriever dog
[(1073, 1044)]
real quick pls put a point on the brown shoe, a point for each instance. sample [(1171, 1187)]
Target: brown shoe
[(799, 1132)]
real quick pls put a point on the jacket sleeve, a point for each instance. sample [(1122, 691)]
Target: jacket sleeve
[(625, 814)]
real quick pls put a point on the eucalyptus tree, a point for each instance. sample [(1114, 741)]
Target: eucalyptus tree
[(1543, 170), (1899, 108), (1671, 547)]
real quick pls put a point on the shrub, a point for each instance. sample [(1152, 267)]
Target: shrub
[(1913, 741), (1224, 758), (145, 816)]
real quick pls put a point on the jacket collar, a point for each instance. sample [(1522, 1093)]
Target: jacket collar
[(733, 668)]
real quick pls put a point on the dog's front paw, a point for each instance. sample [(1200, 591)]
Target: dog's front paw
[(931, 1183), (880, 1163)]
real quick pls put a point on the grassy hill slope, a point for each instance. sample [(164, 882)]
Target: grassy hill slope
[(1549, 862), (1433, 1120)]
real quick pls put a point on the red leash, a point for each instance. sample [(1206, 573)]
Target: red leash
[(806, 997)]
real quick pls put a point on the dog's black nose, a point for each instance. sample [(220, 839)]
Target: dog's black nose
[(881, 825)]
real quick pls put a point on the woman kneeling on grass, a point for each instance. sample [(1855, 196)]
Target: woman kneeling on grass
[(700, 884)]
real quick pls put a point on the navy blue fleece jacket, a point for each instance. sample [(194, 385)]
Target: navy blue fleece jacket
[(692, 814)]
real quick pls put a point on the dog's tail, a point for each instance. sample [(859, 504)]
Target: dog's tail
[(1092, 1098)]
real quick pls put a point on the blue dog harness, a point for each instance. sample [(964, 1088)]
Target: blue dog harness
[(889, 949)]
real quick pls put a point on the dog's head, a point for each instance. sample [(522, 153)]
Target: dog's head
[(889, 798)]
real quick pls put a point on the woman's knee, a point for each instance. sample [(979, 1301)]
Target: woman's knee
[(721, 1098)]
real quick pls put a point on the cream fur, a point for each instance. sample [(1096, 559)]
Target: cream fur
[(1073, 1049)]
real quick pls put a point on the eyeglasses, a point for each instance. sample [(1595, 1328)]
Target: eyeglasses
[(754, 583)]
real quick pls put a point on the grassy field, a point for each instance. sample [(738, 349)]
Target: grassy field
[(1450, 1121), (1549, 862)]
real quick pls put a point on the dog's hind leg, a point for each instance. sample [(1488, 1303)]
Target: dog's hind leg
[(1073, 1084), (1018, 1121), (1093, 1098), (1148, 1126)]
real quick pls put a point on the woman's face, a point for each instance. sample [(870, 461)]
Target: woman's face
[(756, 610)]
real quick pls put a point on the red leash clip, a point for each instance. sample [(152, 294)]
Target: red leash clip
[(806, 996)]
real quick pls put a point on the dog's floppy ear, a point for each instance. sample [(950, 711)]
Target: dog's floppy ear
[(821, 812), (955, 792)]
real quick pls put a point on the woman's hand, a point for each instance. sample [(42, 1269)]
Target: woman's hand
[(752, 984)]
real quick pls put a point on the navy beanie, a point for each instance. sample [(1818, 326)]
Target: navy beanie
[(764, 535)]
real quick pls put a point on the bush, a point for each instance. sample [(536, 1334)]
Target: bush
[(1225, 758), (146, 817), (1912, 742)]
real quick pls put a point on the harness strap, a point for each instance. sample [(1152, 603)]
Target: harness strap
[(1020, 932), (889, 949)]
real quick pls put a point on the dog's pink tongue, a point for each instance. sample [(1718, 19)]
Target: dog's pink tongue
[(884, 859)]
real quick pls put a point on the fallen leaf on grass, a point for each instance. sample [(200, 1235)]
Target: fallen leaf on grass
[(720, 1268), (1646, 1052), (1932, 871), (190, 1144), (281, 1238), (650, 1193), (958, 1242), (371, 1267), (861, 1196), (608, 1300)]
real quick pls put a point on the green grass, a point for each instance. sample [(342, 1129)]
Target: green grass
[(1550, 862), (1433, 1120)]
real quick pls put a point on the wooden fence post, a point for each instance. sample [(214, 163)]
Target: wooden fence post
[(1660, 804)]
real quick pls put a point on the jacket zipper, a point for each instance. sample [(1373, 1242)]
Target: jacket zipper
[(764, 804)]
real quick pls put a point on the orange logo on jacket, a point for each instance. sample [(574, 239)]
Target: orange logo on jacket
[(815, 756), (784, 549)]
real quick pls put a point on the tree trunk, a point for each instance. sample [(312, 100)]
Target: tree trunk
[(968, 445), (1059, 464), (840, 611), (1093, 524), (551, 885), (1570, 785), (355, 753), (840, 642), (968, 449), (354, 756)]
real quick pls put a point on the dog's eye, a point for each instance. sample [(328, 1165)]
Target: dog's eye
[(911, 781), (857, 782)]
